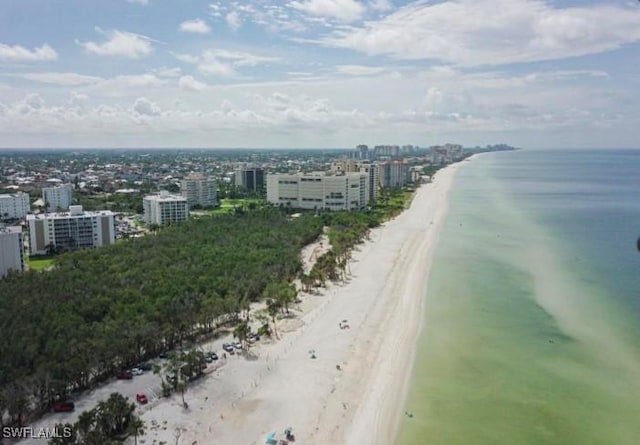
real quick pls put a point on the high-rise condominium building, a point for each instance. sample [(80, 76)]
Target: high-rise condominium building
[(319, 191), (200, 190), (362, 152), (353, 166), (57, 198), (250, 177), (75, 229), (165, 208), (14, 206), (394, 174), (11, 250)]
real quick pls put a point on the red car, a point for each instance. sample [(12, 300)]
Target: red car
[(63, 407), (125, 375), (141, 398)]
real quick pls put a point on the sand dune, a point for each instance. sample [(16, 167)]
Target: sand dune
[(280, 385)]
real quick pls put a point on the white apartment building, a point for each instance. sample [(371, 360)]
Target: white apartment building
[(199, 190), (352, 166), (165, 208), (11, 250), (14, 206), (57, 198), (347, 191), (75, 229)]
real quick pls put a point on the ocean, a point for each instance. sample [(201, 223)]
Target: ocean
[(532, 316)]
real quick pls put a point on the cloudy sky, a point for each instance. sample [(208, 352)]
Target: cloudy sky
[(319, 73)]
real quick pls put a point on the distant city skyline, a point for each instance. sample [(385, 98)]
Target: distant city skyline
[(318, 73)]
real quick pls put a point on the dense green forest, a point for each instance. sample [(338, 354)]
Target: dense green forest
[(105, 309)]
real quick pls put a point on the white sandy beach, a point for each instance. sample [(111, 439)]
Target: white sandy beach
[(282, 386)]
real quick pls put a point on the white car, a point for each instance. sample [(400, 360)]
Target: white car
[(137, 371)]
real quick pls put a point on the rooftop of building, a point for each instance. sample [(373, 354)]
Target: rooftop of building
[(13, 195), (74, 212), (327, 173), (165, 196), (10, 229)]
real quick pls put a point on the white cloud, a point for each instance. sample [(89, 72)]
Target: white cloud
[(120, 44), (360, 70), (186, 58), (239, 58), (493, 32), (78, 99), (141, 2), (188, 83), (122, 86), (216, 67), (196, 26), (234, 20), (146, 107), (18, 53), (34, 101), (221, 62), (63, 79), (168, 72), (344, 10), (380, 5)]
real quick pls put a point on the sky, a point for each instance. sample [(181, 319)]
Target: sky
[(319, 73)]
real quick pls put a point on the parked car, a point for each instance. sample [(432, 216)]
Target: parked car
[(214, 356), (63, 407), (227, 347), (125, 375), (137, 371), (237, 345), (141, 398), (163, 355), (146, 366)]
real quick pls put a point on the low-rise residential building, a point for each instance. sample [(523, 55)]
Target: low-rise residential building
[(14, 205), (11, 250), (200, 190), (57, 198), (165, 208), (72, 230), (348, 191)]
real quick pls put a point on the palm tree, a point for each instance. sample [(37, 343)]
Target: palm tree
[(136, 427), (114, 414), (85, 423), (287, 295), (241, 332), (273, 307)]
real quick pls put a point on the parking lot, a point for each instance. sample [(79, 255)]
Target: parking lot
[(148, 384)]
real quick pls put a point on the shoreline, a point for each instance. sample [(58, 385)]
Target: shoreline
[(354, 389), (380, 417)]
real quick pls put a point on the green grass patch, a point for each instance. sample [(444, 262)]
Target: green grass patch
[(39, 263)]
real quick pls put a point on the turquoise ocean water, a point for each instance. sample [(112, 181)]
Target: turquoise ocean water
[(532, 318)]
